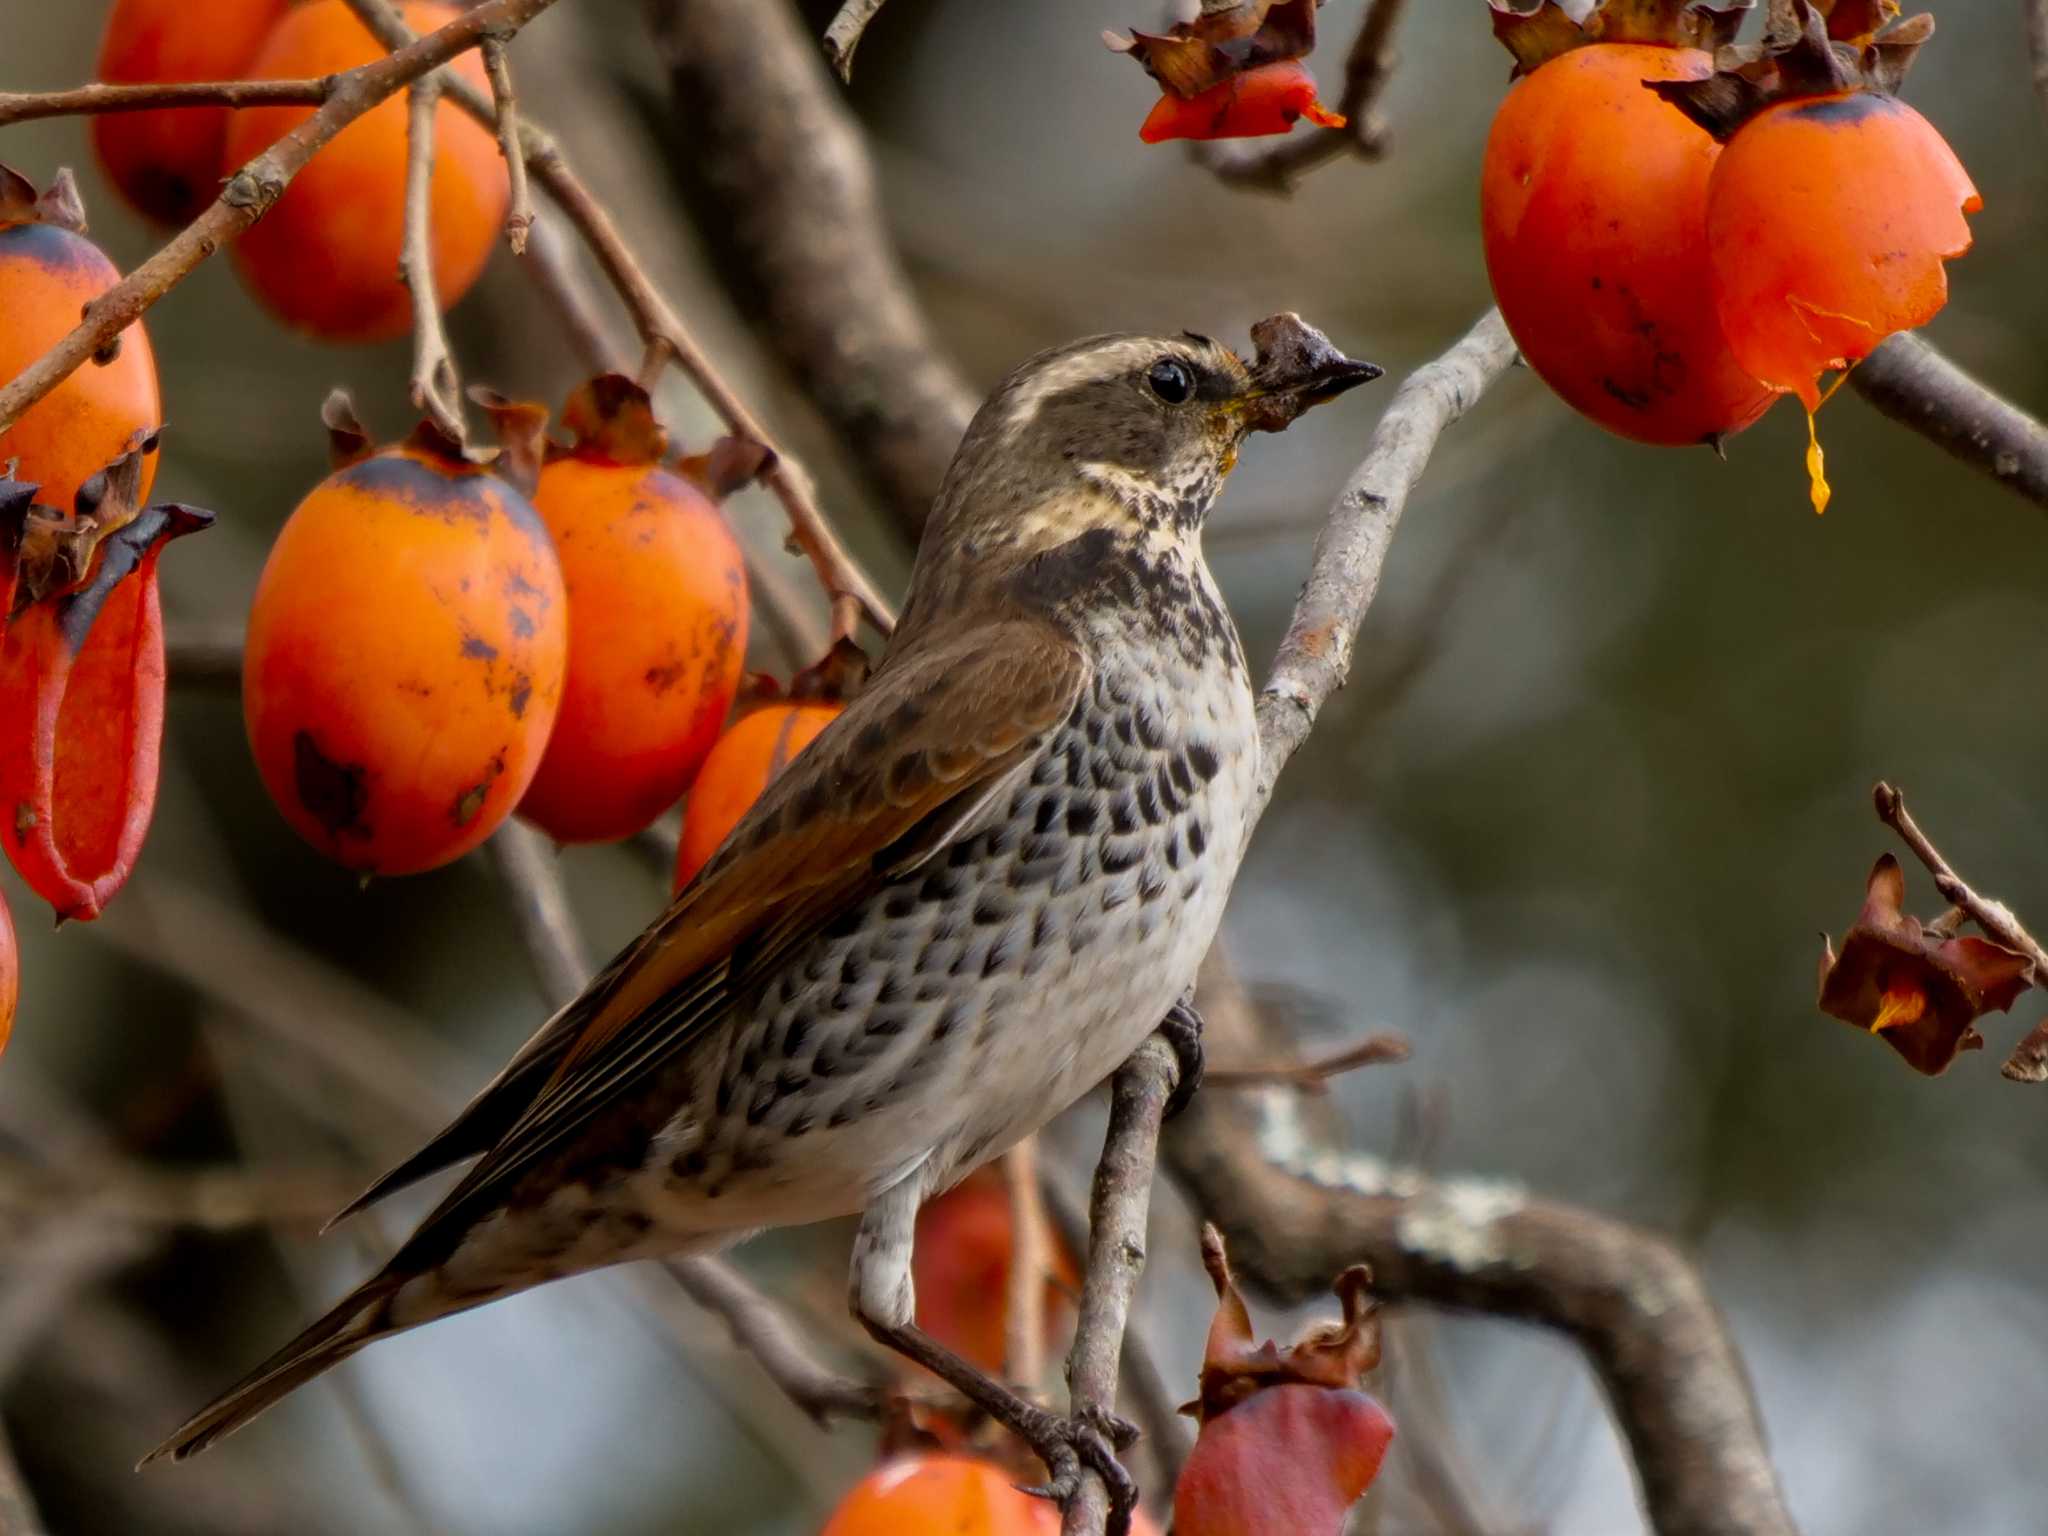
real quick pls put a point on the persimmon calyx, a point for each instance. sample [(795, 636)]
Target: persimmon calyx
[(1537, 31), (1191, 57)]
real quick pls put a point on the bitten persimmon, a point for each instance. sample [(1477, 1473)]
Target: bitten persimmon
[(757, 748), (657, 622), (404, 658), (1593, 208), (49, 272), (325, 258), (167, 162), (1267, 100)]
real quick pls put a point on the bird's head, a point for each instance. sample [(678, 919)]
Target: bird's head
[(1124, 436)]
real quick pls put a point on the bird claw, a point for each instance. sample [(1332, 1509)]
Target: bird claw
[(1088, 1440), (1182, 1030)]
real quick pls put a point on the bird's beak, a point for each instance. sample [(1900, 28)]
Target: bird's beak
[(1297, 367)]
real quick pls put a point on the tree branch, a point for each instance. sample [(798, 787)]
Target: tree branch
[(783, 189), (95, 100), (1913, 384), (251, 192), (436, 387), (519, 203), (844, 34), (1277, 165), (1295, 1212)]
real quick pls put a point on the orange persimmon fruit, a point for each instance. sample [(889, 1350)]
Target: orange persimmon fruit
[(325, 259), (1269, 99), (960, 1266), (657, 622), (166, 162), (404, 658), (49, 272), (82, 683), (1593, 212), (757, 748), (10, 974), (925, 1494)]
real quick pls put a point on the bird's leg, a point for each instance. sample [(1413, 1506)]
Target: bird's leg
[(885, 1303), (1182, 1029)]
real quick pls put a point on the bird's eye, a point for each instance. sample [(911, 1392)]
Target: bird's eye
[(1171, 381)]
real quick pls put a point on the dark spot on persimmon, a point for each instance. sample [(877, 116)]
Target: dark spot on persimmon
[(335, 793), (520, 695), (522, 623), (419, 488), (1634, 399), (1837, 111), (24, 820), (477, 648), (665, 677)]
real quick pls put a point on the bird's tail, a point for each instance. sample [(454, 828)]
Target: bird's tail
[(361, 1317)]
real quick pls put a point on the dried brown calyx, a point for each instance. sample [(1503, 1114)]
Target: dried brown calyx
[(1224, 41), (833, 679), (1919, 987), (1537, 31), (21, 203), (1809, 48), (53, 549)]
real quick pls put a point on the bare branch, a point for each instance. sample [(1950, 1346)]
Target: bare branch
[(519, 206), (94, 100), (1313, 1074), (436, 387), (553, 268), (251, 192), (1117, 1214), (1344, 572), (787, 198), (527, 868), (126, 1194), (1278, 165), (844, 33), (761, 1329), (1911, 382), (660, 327), (1030, 1267)]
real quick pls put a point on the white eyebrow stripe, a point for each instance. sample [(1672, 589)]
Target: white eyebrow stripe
[(1103, 362)]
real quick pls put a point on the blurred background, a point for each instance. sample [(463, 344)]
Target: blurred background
[(1600, 780)]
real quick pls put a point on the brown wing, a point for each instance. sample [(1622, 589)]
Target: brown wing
[(924, 748)]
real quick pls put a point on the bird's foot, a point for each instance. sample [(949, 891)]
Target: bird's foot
[(1182, 1029), (1070, 1444)]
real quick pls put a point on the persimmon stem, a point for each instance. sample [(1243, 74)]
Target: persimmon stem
[(436, 386), (98, 100), (252, 191), (519, 208), (659, 326)]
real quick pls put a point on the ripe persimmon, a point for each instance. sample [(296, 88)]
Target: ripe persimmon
[(49, 272), (10, 974), (404, 658), (1593, 209), (757, 748), (657, 622), (944, 1495), (166, 162), (960, 1266), (325, 258)]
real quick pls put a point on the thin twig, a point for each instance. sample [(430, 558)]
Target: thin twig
[(1995, 918), (2037, 46), (844, 34), (1030, 1267), (762, 1329), (553, 268), (1118, 1209), (519, 207), (251, 192), (1911, 382), (659, 326), (1313, 1074), (788, 199), (94, 100), (124, 1194), (436, 386), (532, 878), (1277, 166)]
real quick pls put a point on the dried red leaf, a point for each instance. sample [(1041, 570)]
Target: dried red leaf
[(1917, 987), (1192, 57), (1259, 102), (81, 719)]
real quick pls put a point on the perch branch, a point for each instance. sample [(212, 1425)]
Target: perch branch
[(661, 329), (1313, 1074), (95, 100), (519, 204), (844, 34), (1276, 166), (436, 387), (1995, 918), (780, 182), (1117, 1212), (1913, 384), (251, 192)]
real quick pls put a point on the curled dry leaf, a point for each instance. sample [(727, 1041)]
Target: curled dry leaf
[(1192, 57), (55, 549), (1918, 987), (1537, 31), (1288, 1442)]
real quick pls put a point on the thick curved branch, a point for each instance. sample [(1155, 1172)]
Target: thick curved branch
[(784, 191), (1909, 381), (251, 192), (1296, 1211)]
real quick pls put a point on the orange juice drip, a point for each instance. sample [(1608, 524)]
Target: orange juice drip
[(1816, 468)]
